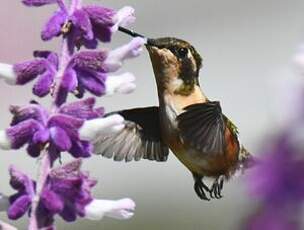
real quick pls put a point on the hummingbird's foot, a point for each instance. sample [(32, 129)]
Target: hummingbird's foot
[(217, 187), (200, 188)]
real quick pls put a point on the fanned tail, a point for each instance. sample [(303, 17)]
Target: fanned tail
[(246, 159)]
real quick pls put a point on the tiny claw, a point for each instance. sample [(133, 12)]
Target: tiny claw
[(221, 183), (216, 189), (200, 188)]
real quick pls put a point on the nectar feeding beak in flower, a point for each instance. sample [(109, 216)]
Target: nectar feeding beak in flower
[(150, 42), (186, 121)]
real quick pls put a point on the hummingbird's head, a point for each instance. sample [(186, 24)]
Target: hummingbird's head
[(176, 64)]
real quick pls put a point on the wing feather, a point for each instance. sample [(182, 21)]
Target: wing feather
[(141, 138), (202, 125)]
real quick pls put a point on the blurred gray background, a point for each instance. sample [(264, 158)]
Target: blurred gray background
[(245, 46)]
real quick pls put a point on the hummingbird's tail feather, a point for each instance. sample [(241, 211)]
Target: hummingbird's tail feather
[(247, 160)]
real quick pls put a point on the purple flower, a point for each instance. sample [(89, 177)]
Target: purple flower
[(89, 70), (70, 129), (85, 73), (277, 180), (20, 201), (44, 68), (87, 25), (34, 126), (66, 193), (279, 175)]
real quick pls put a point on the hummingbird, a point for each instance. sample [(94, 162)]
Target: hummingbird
[(186, 121)]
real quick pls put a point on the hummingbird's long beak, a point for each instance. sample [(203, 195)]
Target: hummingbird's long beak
[(150, 42)]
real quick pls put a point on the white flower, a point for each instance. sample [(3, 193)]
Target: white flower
[(7, 74), (120, 209), (116, 57), (123, 83), (5, 143), (92, 129), (124, 17)]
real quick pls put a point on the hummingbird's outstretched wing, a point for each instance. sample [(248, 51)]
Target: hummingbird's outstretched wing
[(202, 126), (140, 138)]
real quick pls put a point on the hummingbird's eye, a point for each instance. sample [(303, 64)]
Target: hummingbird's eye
[(182, 52)]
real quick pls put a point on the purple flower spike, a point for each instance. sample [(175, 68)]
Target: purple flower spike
[(38, 2), (270, 179), (20, 202), (76, 127), (277, 180)]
